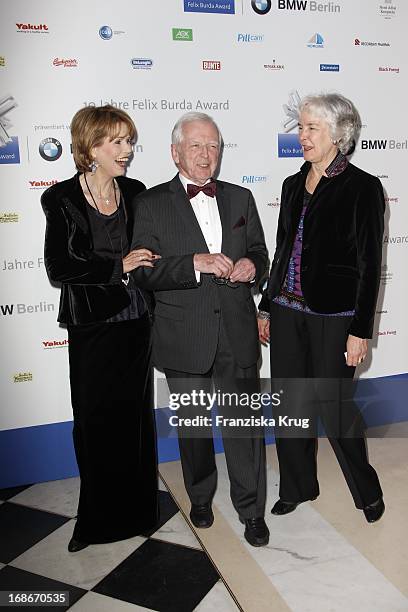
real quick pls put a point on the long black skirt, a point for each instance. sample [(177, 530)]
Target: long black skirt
[(114, 432)]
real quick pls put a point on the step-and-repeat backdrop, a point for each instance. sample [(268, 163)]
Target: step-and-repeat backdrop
[(247, 63)]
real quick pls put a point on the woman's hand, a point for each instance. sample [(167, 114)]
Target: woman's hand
[(356, 350), (139, 257), (263, 330)]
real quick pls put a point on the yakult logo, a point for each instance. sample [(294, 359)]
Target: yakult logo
[(30, 28)]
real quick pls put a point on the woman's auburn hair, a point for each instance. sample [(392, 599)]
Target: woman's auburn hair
[(89, 128)]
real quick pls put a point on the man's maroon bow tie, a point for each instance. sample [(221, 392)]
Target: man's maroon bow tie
[(209, 189)]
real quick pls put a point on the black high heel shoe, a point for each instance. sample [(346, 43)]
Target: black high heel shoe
[(75, 545)]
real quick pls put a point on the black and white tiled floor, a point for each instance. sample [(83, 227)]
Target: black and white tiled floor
[(164, 570)]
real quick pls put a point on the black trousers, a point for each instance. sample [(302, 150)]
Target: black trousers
[(307, 360), (244, 448)]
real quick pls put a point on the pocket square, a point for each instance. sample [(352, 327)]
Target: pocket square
[(241, 221)]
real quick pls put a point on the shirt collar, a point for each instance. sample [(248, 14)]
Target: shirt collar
[(185, 181)]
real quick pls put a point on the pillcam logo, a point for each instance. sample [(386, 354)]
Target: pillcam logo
[(261, 7), (316, 41), (50, 149), (141, 63), (250, 38), (250, 179), (29, 28), (182, 34), (199, 6), (105, 32), (329, 67), (211, 65)]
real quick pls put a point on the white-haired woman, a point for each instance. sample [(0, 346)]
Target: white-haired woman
[(318, 309)]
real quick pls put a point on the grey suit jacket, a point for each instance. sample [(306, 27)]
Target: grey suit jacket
[(187, 313)]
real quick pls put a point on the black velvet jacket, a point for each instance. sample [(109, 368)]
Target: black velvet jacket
[(91, 286), (341, 248)]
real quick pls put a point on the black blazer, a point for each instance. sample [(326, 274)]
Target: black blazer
[(341, 248), (187, 313), (92, 288)]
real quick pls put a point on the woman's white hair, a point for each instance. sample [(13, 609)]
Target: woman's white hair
[(341, 115), (177, 133)]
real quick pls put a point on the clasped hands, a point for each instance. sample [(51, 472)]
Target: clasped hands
[(221, 266)]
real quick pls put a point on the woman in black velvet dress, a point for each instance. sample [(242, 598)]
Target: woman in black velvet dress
[(88, 234)]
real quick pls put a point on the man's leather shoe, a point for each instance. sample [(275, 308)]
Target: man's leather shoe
[(256, 532), (374, 511), (282, 507), (201, 515), (75, 545)]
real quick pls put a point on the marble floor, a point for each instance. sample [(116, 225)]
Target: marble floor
[(324, 557)]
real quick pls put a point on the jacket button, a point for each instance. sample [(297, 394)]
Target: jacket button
[(217, 311), (306, 247)]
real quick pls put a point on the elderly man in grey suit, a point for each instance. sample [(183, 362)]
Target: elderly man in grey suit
[(212, 249)]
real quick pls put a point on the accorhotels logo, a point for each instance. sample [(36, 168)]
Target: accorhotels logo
[(378, 145), (185, 34), (30, 28), (211, 65)]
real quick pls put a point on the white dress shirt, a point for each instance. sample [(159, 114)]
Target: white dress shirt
[(208, 217)]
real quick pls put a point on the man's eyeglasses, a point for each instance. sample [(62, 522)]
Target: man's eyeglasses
[(225, 281)]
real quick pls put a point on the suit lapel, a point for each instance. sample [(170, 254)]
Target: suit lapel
[(183, 207), (224, 209)]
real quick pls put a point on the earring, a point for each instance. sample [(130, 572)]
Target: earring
[(334, 142), (93, 166)]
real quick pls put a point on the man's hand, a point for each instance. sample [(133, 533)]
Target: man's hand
[(244, 271), (213, 263), (263, 330), (356, 350)]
